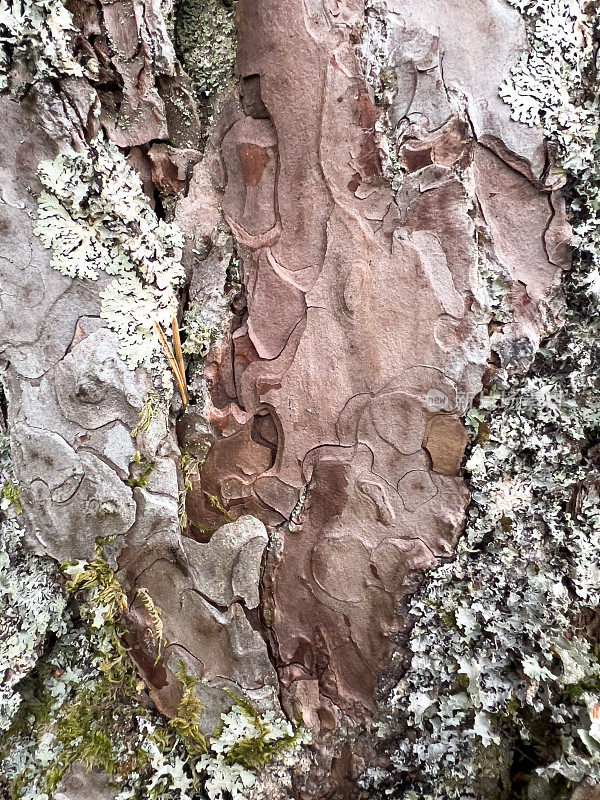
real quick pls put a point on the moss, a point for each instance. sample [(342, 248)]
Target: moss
[(12, 495), (256, 750), (245, 742), (99, 579), (590, 685), (68, 717), (187, 721), (189, 464), (154, 613), (85, 733), (147, 413), (217, 505), (140, 480), (85, 703)]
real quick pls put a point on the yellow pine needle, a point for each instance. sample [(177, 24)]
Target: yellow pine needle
[(175, 364)]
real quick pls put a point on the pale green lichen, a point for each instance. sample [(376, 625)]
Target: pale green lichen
[(375, 55), (32, 606), (555, 86), (206, 44), (97, 220), (198, 332), (37, 40), (32, 602), (502, 695), (246, 742)]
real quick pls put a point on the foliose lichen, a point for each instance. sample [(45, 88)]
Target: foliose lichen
[(246, 742), (98, 222), (198, 333), (32, 600), (205, 40), (33, 607), (374, 50), (502, 695), (37, 41)]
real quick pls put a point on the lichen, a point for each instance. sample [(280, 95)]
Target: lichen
[(98, 221), (264, 739), (83, 702), (199, 333), (32, 601), (206, 44), (37, 39), (374, 51), (246, 742), (33, 606), (502, 694)]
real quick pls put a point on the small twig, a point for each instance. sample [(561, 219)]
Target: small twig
[(175, 361)]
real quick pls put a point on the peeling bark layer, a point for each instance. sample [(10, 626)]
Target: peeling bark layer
[(370, 238)]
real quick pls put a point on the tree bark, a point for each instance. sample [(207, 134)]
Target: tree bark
[(342, 542)]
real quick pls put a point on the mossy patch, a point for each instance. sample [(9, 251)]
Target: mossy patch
[(85, 703)]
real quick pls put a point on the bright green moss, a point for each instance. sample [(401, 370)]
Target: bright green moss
[(187, 721), (257, 749), (147, 413), (139, 480), (12, 495)]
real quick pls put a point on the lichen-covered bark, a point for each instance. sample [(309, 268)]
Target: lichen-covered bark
[(356, 213)]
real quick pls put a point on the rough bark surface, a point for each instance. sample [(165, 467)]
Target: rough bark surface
[(344, 194)]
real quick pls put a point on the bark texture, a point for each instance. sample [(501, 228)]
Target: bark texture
[(356, 211)]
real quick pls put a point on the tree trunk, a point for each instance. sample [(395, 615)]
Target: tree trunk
[(299, 334)]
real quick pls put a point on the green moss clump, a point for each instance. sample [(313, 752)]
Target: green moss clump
[(147, 413), (256, 750), (189, 465), (84, 702), (187, 721), (217, 505), (78, 703), (12, 495), (140, 480)]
